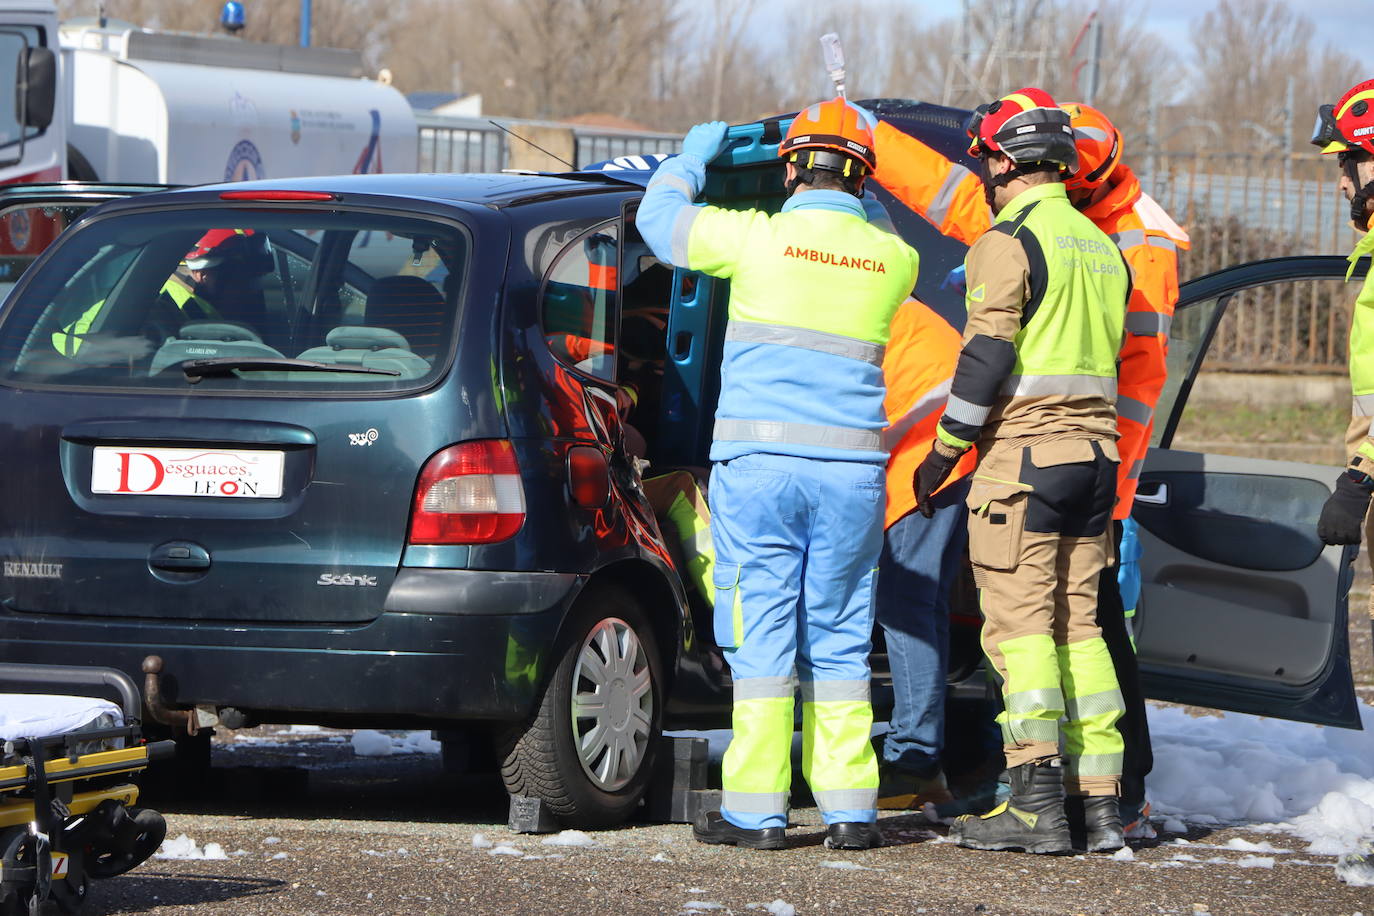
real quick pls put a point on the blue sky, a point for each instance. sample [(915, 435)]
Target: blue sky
[(1346, 24)]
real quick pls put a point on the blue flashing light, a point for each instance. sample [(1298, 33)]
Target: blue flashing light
[(231, 17)]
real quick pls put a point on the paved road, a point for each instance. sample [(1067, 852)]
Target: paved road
[(395, 835)]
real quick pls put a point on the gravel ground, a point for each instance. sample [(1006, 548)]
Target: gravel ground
[(396, 835)]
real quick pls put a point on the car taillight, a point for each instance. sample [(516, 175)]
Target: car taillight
[(468, 494)]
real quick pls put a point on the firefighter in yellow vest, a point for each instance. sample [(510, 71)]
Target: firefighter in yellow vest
[(1346, 129), (221, 265), (1034, 390), (796, 489)]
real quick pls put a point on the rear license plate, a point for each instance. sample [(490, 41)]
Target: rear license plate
[(233, 473)]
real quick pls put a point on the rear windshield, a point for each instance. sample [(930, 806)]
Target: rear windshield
[(219, 300)]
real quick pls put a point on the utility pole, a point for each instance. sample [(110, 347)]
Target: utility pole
[(305, 23), (1094, 60)]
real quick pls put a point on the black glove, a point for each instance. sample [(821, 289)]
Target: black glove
[(931, 473), (1342, 518)]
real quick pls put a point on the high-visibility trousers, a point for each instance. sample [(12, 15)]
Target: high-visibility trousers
[(1040, 510), (681, 510), (797, 542)]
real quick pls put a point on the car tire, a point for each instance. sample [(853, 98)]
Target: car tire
[(609, 658)]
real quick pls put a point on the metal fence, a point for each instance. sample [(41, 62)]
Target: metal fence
[(1239, 209), (450, 144)]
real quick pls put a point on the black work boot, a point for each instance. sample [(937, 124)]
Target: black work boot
[(1032, 819), (1095, 822), (713, 828), (852, 835)]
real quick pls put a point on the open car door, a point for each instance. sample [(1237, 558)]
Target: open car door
[(32, 216), (1242, 607)]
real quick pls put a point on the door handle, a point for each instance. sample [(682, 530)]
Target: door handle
[(180, 557), (1160, 496)]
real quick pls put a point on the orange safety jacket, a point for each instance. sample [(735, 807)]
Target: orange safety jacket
[(951, 198), (918, 368)]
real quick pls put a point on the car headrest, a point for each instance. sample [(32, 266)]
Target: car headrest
[(217, 330), (354, 337)]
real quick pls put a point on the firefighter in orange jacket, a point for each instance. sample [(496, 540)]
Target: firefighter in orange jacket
[(921, 557), (1106, 191)]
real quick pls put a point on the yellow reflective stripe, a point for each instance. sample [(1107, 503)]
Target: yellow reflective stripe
[(1366, 449), (948, 438), (1032, 671), (1359, 96), (1087, 666)]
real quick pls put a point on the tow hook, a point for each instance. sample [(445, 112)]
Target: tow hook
[(193, 720)]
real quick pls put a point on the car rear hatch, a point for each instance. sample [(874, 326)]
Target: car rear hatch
[(220, 413)]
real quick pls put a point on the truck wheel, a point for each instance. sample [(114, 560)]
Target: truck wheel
[(588, 750), (78, 166)]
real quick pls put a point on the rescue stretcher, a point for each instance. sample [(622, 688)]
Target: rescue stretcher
[(68, 796)]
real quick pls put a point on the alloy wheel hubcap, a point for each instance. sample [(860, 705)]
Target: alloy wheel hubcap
[(612, 704)]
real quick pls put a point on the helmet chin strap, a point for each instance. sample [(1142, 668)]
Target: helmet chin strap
[(992, 182), (1359, 214)]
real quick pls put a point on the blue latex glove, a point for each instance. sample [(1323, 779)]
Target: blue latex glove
[(705, 141), (868, 117), (956, 280)]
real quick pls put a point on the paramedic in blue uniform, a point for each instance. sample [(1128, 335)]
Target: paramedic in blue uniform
[(797, 487)]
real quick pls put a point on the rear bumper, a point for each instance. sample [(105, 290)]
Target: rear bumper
[(422, 664)]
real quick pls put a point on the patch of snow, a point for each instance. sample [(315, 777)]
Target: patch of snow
[(371, 743), (281, 855), (843, 865), (659, 857), (781, 908), (1124, 854), (504, 850), (304, 730), (1173, 825), (569, 838), (1315, 782), (1256, 862), (183, 847), (1247, 846), (271, 840), (701, 906), (480, 841)]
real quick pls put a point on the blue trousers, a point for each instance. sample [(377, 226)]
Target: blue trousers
[(797, 543), (920, 562)]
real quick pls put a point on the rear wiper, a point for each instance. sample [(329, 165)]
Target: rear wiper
[(197, 369)]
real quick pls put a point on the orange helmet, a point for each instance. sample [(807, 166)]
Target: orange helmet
[(1026, 126), (1349, 124), (837, 136), (1099, 147)]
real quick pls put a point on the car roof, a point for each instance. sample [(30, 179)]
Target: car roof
[(487, 189)]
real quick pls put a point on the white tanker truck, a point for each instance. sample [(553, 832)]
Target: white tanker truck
[(119, 104)]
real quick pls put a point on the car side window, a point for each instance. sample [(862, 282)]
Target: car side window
[(1232, 344), (579, 302)]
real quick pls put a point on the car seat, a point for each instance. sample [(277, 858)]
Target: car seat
[(210, 340), (411, 307), (375, 348)]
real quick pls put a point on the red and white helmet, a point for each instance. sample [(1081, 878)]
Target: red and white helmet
[(218, 245), (1026, 126)]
